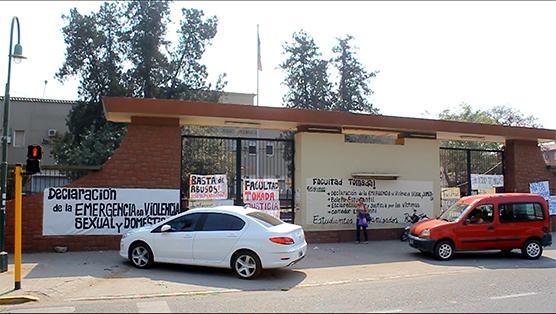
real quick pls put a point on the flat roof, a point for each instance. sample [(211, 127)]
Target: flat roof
[(121, 109)]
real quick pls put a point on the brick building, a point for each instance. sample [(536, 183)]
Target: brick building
[(399, 155)]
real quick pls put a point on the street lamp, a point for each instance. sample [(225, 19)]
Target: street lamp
[(17, 55)]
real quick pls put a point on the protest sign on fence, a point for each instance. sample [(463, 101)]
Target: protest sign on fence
[(262, 194), (208, 187)]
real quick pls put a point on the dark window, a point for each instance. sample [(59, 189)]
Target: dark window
[(252, 148), (182, 224), (266, 218), (521, 212), (222, 222), (269, 149)]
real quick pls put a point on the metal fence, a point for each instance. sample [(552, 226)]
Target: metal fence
[(240, 158), (50, 176), (457, 165)]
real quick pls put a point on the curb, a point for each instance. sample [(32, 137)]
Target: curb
[(17, 299)]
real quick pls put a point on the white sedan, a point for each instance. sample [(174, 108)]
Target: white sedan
[(243, 239)]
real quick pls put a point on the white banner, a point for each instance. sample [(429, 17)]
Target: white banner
[(209, 187), (105, 211), (209, 203), (486, 181), (262, 194), (332, 201)]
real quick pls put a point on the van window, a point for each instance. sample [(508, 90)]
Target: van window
[(482, 214), (521, 212), (454, 212)]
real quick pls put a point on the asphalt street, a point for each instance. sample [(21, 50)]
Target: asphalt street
[(528, 286)]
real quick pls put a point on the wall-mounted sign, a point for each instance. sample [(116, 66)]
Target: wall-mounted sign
[(541, 188), (104, 211), (262, 194), (208, 187), (332, 201)]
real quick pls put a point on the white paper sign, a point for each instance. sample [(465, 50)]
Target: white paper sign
[(209, 187), (552, 205), (486, 181), (541, 188), (262, 194), (105, 211), (332, 201)]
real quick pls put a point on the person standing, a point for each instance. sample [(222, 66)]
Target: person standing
[(362, 222)]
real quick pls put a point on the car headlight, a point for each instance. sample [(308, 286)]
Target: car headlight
[(425, 233)]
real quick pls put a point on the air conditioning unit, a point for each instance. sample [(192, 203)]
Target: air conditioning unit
[(51, 132)]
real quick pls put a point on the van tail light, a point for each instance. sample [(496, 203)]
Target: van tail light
[(545, 229), (282, 240)]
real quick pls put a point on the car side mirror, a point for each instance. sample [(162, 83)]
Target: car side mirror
[(165, 228), (467, 221)]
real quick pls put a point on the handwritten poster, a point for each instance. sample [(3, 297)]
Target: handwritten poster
[(105, 211), (552, 205), (332, 201), (449, 196), (208, 187), (486, 181), (262, 194), (541, 188)]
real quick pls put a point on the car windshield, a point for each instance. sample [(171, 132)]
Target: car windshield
[(265, 218), (454, 212)]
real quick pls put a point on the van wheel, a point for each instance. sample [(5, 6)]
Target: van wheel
[(246, 265), (444, 250), (532, 249)]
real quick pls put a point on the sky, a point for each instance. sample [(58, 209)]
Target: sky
[(431, 55)]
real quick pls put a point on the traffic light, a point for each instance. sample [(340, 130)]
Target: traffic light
[(34, 155)]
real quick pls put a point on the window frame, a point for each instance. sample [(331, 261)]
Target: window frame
[(14, 142), (266, 149), (467, 217), (522, 221)]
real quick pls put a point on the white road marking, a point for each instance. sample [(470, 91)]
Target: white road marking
[(388, 311), (513, 296), (62, 309), (153, 307)]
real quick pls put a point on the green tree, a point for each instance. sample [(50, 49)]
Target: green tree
[(306, 74), (121, 50), (501, 115), (353, 88)]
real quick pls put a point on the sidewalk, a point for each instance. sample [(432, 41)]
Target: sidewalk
[(78, 276)]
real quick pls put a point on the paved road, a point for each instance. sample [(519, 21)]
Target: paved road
[(525, 286)]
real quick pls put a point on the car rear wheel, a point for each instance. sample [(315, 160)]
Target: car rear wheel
[(246, 265), (140, 255), (532, 249), (444, 250)]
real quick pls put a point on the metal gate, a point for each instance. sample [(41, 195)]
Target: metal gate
[(457, 165), (240, 158)]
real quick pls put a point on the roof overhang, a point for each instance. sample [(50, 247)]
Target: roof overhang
[(121, 109)]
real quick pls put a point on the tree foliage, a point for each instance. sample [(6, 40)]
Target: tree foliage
[(353, 87), (501, 115), (121, 50), (308, 82), (306, 74)]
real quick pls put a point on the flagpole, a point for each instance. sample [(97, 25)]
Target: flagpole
[(258, 62)]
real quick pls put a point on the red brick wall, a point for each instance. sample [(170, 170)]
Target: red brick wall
[(525, 164), (148, 157)]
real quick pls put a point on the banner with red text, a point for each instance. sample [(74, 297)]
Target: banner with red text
[(262, 194)]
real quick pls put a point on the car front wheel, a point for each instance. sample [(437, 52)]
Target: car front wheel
[(246, 265), (140, 255), (444, 250), (532, 249)]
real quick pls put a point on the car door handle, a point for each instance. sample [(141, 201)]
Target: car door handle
[(490, 228), (187, 236), (231, 235)]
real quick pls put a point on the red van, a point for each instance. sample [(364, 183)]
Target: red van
[(503, 221)]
